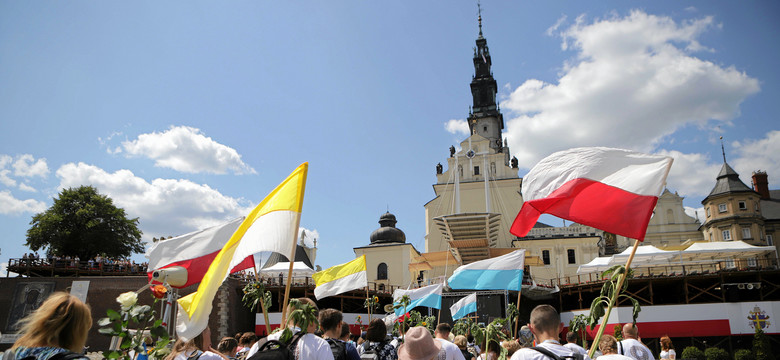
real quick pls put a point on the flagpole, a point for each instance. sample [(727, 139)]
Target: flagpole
[(262, 301), (622, 278), (517, 319), (290, 270), (369, 303)]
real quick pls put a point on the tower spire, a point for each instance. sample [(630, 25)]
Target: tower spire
[(479, 18), (722, 149)]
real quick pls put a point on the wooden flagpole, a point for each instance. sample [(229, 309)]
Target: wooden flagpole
[(622, 278), (517, 319), (262, 302), (290, 270)]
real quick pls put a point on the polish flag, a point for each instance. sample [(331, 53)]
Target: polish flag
[(614, 190), (195, 251)]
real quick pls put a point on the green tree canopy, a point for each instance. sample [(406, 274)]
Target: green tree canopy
[(84, 223)]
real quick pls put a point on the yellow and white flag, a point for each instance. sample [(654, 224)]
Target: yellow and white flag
[(341, 278), (271, 226)]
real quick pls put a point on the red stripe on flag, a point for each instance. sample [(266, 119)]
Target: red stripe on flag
[(197, 267), (591, 203)]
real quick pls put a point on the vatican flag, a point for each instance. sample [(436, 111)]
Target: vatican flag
[(271, 226), (341, 278)]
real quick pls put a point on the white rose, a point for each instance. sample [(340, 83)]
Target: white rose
[(127, 300)]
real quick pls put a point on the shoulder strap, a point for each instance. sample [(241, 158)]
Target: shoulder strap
[(620, 347), (66, 355), (195, 356), (546, 352)]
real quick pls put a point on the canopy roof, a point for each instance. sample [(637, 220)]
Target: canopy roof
[(698, 253), (299, 269)]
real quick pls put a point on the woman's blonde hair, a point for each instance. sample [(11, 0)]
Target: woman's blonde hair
[(181, 346), (62, 320)]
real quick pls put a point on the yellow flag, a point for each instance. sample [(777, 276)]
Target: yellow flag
[(341, 278), (269, 227)]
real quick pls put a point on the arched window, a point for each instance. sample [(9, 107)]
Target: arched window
[(381, 271)]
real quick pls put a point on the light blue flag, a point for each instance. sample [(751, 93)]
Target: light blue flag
[(429, 296), (464, 306), (499, 273)]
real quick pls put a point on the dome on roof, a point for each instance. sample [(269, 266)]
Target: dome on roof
[(387, 233)]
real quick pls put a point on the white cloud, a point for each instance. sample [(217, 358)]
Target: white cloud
[(457, 127), (310, 239), (4, 268), (632, 83), (6, 180), (9, 205), (165, 207), (692, 174), (696, 213), (759, 154), (186, 149), (26, 166), (552, 29), (28, 188)]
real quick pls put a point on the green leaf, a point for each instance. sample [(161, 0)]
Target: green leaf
[(112, 314), (127, 341), (111, 354), (157, 323), (159, 331)]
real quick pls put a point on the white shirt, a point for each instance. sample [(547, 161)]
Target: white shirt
[(553, 346), (451, 350), (671, 354), (635, 349), (576, 348), (310, 347), (207, 355), (613, 357)]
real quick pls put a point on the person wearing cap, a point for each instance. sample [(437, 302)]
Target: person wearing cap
[(419, 345)]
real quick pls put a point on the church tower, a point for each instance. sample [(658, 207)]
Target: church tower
[(485, 117), (478, 191)]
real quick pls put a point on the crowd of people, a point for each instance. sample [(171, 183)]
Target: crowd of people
[(57, 330), (95, 263)]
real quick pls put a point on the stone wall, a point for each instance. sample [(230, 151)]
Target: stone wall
[(228, 317)]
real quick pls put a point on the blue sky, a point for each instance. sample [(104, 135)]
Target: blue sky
[(189, 113)]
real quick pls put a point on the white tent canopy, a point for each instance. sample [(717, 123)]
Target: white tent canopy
[(645, 254), (299, 269), (723, 250), (698, 253), (598, 264)]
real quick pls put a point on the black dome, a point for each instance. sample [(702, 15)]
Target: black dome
[(388, 233)]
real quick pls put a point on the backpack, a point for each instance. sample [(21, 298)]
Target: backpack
[(195, 356), (66, 355), (371, 352), (552, 355), (277, 350), (338, 348)]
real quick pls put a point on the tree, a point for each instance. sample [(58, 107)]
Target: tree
[(84, 223)]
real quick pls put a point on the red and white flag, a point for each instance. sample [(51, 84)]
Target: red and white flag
[(614, 190), (195, 251)]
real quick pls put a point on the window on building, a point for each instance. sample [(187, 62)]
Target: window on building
[(742, 205), (722, 208), (546, 257), (476, 170), (726, 235), (730, 264), (484, 128), (746, 233), (769, 240), (493, 168), (707, 209), (381, 271), (572, 256), (669, 216), (460, 170), (752, 262), (755, 205)]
